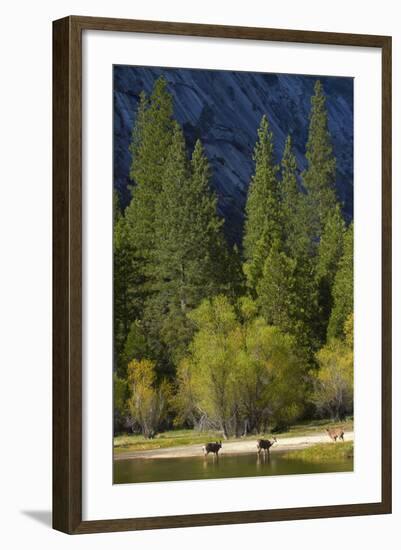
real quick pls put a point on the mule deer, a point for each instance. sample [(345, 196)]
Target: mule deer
[(335, 433), (265, 444), (212, 448)]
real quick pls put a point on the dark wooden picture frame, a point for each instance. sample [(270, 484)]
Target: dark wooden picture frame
[(67, 274)]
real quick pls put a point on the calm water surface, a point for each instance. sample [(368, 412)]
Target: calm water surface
[(140, 470)]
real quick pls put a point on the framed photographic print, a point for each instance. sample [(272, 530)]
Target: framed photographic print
[(222, 275)]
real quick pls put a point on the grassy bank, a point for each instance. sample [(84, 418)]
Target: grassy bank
[(173, 438), (325, 452), (177, 438)]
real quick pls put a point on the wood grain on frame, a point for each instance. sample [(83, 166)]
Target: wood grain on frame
[(67, 273)]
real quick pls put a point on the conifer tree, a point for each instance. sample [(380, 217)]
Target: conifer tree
[(188, 233), (289, 189), (307, 305), (286, 293), (149, 147), (286, 296), (170, 266), (232, 272), (319, 177), (116, 206), (277, 289), (293, 206), (330, 250), (137, 133), (343, 289), (262, 220), (189, 246), (127, 295), (151, 139)]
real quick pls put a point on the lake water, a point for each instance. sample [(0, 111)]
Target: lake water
[(140, 470)]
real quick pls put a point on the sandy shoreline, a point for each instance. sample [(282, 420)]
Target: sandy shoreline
[(231, 447)]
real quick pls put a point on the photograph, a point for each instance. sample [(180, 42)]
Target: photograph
[(233, 266), (199, 266)]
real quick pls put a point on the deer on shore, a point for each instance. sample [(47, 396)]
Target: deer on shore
[(212, 448), (265, 444), (335, 433)]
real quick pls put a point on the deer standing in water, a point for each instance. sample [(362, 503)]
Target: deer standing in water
[(212, 448), (265, 444), (335, 433)]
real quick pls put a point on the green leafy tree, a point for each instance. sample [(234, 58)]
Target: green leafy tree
[(239, 376), (287, 372), (343, 288), (187, 412), (320, 174), (213, 355), (262, 211), (148, 403), (333, 381), (271, 377)]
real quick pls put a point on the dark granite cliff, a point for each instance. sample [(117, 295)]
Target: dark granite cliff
[(223, 109)]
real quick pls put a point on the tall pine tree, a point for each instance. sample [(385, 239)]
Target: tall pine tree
[(286, 297), (137, 134), (293, 206), (127, 293), (330, 250), (276, 289), (343, 289), (151, 140), (188, 232), (319, 177), (189, 245), (286, 292), (262, 211)]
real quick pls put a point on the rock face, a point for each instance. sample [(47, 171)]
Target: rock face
[(223, 109)]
